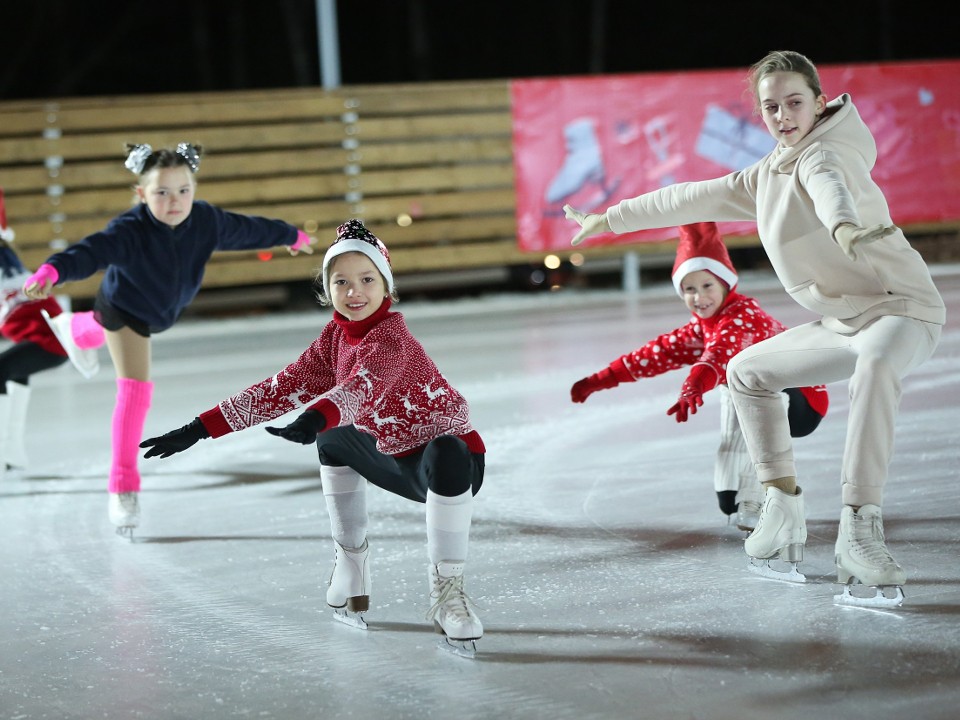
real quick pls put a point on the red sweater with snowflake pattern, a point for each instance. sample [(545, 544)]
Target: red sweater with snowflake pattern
[(372, 374), (707, 344)]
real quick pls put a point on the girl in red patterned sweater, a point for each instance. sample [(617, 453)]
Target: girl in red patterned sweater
[(381, 413), (724, 322)]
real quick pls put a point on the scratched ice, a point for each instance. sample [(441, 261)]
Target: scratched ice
[(608, 582)]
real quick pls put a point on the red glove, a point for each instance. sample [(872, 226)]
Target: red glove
[(607, 378), (701, 379)]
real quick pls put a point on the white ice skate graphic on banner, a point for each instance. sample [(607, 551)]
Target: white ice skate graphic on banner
[(582, 166), (731, 141)]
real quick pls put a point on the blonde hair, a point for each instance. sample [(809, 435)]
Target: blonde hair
[(784, 61)]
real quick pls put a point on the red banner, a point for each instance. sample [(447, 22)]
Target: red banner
[(594, 141)]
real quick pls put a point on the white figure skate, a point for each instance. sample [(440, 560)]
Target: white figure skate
[(780, 533), (582, 166), (16, 450), (84, 360), (5, 408), (124, 511), (870, 576), (452, 611), (348, 592)]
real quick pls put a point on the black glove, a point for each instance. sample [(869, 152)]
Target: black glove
[(304, 429), (176, 440)]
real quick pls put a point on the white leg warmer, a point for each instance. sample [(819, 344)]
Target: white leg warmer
[(345, 491), (448, 526)]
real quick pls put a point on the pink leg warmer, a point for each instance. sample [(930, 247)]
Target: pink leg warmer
[(129, 415), (86, 331)]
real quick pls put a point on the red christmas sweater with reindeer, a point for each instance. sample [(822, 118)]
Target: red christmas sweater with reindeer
[(372, 374), (708, 344)]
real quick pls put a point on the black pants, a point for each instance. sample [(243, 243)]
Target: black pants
[(444, 465), (19, 362), (803, 419)]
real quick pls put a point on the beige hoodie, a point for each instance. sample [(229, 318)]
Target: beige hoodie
[(798, 196)]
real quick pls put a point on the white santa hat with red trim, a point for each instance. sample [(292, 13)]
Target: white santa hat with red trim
[(6, 232), (702, 248)]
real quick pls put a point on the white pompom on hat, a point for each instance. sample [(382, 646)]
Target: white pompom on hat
[(352, 236), (6, 232), (702, 248)]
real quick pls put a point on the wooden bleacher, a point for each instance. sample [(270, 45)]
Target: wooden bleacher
[(428, 167)]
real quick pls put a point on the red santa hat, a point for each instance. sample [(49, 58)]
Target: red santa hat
[(702, 248), (6, 233)]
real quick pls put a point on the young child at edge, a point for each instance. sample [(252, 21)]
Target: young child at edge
[(827, 231), (382, 412), (724, 322), (154, 256), (27, 323)]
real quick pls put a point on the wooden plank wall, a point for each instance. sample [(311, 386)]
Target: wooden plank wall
[(428, 167)]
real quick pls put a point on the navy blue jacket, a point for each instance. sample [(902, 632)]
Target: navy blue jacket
[(153, 271)]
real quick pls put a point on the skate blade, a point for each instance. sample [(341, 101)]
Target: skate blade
[(460, 648), (354, 620), (126, 532), (762, 568), (880, 598)]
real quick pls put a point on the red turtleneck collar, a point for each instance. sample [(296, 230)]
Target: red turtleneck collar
[(356, 329), (732, 297)]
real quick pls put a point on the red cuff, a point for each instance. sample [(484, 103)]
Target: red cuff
[(702, 378), (620, 372), (215, 423), (330, 412)]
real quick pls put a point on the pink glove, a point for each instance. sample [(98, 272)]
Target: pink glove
[(302, 244), (39, 284)]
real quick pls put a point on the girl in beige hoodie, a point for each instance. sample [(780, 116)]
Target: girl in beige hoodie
[(827, 231)]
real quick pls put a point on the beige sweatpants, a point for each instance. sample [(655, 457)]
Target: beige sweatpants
[(875, 359)]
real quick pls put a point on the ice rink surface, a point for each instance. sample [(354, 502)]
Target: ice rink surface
[(609, 583)]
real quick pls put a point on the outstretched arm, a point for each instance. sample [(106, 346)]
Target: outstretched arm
[(590, 224), (303, 430), (39, 285), (303, 244), (702, 379), (176, 440)]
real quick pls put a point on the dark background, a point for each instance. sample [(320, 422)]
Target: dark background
[(63, 48)]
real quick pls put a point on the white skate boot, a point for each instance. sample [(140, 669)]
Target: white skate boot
[(84, 360), (124, 511), (583, 163), (16, 452), (348, 592), (780, 533), (863, 561), (5, 407), (452, 611)]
